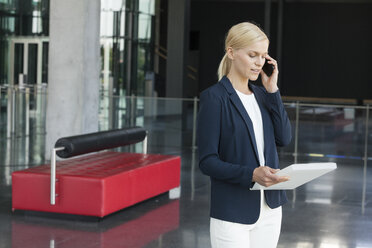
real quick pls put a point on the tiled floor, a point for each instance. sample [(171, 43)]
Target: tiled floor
[(334, 211)]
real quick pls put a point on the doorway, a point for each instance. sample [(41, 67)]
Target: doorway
[(28, 60)]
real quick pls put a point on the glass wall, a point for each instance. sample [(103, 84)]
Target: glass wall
[(127, 45), (24, 28)]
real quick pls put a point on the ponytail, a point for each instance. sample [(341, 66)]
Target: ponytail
[(224, 67)]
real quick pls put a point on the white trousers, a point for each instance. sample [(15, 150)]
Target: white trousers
[(262, 234)]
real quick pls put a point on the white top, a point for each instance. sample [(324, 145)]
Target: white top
[(251, 106)]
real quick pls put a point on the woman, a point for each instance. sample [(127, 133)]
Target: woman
[(239, 126)]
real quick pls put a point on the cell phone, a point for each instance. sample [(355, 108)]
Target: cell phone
[(268, 68)]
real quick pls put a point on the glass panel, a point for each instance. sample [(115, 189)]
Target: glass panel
[(141, 69), (4, 61), (18, 61), (44, 69), (330, 131), (327, 133), (26, 145), (36, 22), (144, 27), (7, 20), (169, 121), (32, 64), (111, 5), (147, 6), (3, 109), (122, 23), (127, 30), (107, 26), (369, 139), (122, 66), (25, 18)]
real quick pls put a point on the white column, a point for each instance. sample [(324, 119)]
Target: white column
[(74, 65)]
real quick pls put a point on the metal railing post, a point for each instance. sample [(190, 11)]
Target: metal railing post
[(132, 110), (1, 88), (195, 113), (10, 112), (296, 131), (365, 158), (27, 109), (296, 146)]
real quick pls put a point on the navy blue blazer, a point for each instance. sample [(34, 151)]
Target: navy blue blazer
[(228, 151)]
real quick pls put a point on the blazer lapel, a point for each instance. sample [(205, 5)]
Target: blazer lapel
[(243, 113)]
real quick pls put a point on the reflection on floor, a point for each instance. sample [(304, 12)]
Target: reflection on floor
[(334, 211), (152, 223)]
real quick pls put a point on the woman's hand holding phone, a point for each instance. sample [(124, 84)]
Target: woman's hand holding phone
[(270, 81)]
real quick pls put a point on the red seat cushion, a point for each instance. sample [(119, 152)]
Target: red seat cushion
[(97, 184)]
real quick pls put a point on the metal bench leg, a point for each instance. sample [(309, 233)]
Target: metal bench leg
[(175, 193), (53, 174)]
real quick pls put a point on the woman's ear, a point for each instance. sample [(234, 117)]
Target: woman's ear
[(230, 53)]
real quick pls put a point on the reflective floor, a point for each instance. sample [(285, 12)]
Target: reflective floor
[(334, 211), (328, 212)]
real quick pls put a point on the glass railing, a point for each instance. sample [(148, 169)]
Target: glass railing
[(329, 131), (22, 128), (22, 110), (320, 131), (170, 122)]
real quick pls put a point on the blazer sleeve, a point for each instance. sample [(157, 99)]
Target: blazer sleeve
[(279, 117), (208, 135)]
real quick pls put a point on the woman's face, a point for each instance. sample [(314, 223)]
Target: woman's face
[(248, 62)]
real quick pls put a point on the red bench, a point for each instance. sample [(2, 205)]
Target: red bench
[(97, 184)]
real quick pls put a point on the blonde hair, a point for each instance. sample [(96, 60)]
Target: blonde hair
[(239, 36)]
